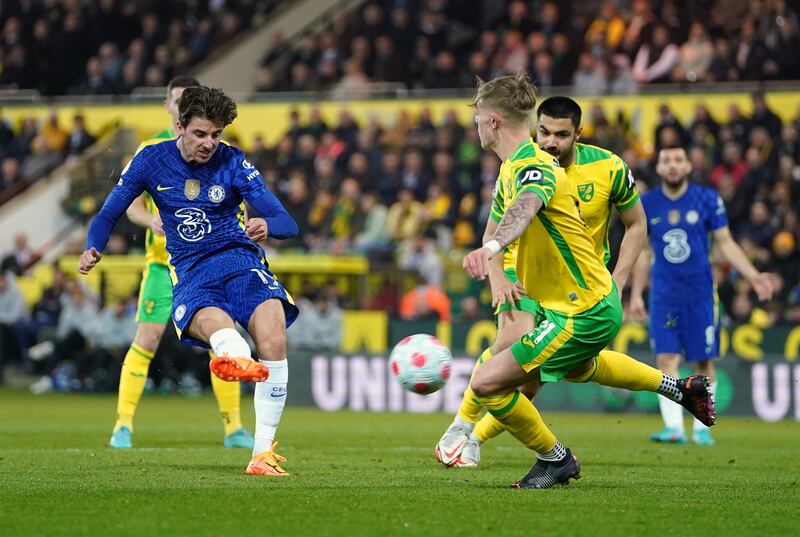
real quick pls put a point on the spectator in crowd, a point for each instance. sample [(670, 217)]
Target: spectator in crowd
[(425, 302), (374, 236), (732, 163), (21, 259), (420, 255), (10, 174), (404, 219), (319, 328), (77, 324), (696, 55), (47, 310), (79, 138), (13, 314)]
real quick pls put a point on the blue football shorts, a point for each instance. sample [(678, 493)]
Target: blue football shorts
[(238, 293), (689, 328)]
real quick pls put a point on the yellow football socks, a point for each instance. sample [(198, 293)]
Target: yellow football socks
[(518, 415), (488, 428), (131, 384), (228, 397), (619, 370), (470, 409)]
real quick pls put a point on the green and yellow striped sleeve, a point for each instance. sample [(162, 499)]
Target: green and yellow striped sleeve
[(623, 188), (498, 204)]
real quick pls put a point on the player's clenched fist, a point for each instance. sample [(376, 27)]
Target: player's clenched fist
[(256, 229), (638, 310), (476, 263), (88, 260)]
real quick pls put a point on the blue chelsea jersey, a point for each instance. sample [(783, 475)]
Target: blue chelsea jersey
[(199, 205), (680, 238)]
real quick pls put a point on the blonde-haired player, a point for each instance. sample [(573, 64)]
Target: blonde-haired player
[(557, 265), (155, 307), (601, 181)]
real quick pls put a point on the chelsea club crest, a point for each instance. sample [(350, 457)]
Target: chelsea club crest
[(216, 193)]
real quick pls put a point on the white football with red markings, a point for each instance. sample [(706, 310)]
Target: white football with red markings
[(420, 363)]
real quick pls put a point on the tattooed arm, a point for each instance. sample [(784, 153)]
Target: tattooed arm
[(513, 224), (517, 218)]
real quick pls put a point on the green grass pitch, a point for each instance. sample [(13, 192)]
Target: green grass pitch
[(374, 474)]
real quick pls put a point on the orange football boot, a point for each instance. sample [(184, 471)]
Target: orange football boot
[(267, 463), (233, 369)]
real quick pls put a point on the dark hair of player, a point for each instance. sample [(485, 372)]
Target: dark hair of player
[(182, 81), (672, 146), (513, 96), (559, 108), (207, 103)]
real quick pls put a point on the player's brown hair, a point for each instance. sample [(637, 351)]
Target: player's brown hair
[(207, 103), (513, 96)]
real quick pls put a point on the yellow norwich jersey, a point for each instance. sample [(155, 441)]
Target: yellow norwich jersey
[(155, 245), (600, 179), (556, 258)]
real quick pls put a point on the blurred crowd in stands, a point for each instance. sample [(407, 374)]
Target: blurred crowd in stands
[(32, 149), (597, 46), (101, 47)]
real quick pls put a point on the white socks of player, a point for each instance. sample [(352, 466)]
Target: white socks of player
[(556, 454), (269, 400), (270, 396), (466, 425), (228, 342), (672, 413)]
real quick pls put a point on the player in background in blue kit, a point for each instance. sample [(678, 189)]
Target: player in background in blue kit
[(681, 219), (219, 275)]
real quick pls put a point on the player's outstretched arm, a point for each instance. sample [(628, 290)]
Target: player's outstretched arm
[(128, 189), (516, 219), (640, 272), (632, 243), (733, 254)]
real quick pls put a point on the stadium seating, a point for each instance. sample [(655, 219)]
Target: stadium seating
[(598, 47)]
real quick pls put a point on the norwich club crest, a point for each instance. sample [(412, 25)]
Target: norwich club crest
[(586, 192), (192, 188)]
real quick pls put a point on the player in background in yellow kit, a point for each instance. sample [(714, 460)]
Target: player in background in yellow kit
[(155, 308), (601, 181)]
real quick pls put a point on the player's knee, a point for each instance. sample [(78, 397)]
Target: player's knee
[(482, 386), (272, 347), (148, 336)]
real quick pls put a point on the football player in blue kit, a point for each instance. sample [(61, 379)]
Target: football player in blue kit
[(220, 277), (682, 218)]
